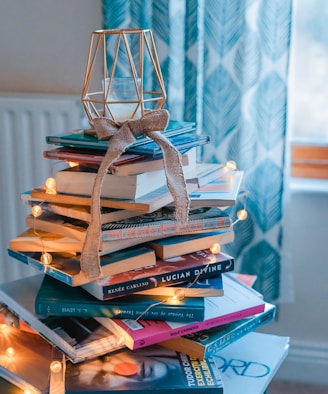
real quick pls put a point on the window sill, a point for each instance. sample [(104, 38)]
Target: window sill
[(308, 185)]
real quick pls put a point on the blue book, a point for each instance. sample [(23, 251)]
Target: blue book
[(58, 299), (66, 268), (84, 139), (206, 343), (182, 142), (154, 369)]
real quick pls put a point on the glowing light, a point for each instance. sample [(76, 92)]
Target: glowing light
[(10, 352), (27, 391), (3, 326), (215, 248), (50, 183), (121, 341), (232, 165), (179, 295), (56, 366), (36, 211), (242, 214), (46, 258)]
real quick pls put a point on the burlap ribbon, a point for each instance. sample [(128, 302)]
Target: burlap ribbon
[(121, 135)]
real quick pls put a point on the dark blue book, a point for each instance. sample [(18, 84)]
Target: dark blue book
[(58, 299)]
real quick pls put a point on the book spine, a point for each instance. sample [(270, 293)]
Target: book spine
[(165, 279), (154, 336), (230, 337), (156, 311), (110, 233)]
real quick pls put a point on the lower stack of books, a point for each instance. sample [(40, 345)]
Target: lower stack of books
[(169, 312)]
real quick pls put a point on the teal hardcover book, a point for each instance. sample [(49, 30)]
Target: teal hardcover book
[(81, 139), (58, 299)]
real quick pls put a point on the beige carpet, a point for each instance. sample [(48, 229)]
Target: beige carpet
[(283, 387)]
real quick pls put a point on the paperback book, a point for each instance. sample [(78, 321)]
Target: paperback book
[(151, 370), (162, 222), (188, 243), (238, 302), (157, 224), (78, 338), (79, 180), (154, 369), (203, 173), (80, 212), (221, 192), (28, 365), (66, 268), (148, 203), (58, 299), (186, 268), (126, 164), (209, 287), (33, 240), (204, 344), (251, 362)]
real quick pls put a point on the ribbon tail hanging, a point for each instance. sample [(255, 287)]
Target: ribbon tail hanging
[(90, 252), (175, 177)]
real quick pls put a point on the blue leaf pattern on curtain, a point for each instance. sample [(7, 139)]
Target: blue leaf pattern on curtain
[(225, 65), (242, 147), (247, 61), (274, 27), (264, 184), (221, 105), (268, 109), (267, 269), (224, 24)]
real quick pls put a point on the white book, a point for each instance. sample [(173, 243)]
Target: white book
[(249, 364)]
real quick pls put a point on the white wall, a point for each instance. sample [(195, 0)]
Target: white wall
[(44, 44), (43, 48)]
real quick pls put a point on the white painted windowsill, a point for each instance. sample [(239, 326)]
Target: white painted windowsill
[(309, 186)]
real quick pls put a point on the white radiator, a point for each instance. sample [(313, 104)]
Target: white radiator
[(25, 120)]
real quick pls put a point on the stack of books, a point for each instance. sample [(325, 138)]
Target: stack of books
[(169, 302)]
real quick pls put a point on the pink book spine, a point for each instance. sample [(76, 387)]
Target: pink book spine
[(159, 331)]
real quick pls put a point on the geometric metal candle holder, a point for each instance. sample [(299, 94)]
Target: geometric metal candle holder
[(123, 78)]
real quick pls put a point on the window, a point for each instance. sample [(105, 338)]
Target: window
[(308, 99)]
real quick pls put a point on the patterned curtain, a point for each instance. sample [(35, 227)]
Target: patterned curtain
[(225, 66)]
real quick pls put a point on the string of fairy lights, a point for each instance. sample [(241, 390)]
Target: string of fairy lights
[(56, 367)]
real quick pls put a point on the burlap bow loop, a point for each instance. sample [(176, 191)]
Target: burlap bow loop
[(151, 121), (120, 136)]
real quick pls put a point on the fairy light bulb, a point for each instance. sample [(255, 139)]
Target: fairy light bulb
[(179, 295), (232, 165), (242, 214), (56, 366), (46, 258), (50, 186), (50, 183), (10, 352), (215, 248), (27, 391), (36, 211)]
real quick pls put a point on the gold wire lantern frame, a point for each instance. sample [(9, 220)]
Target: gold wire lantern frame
[(98, 104)]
